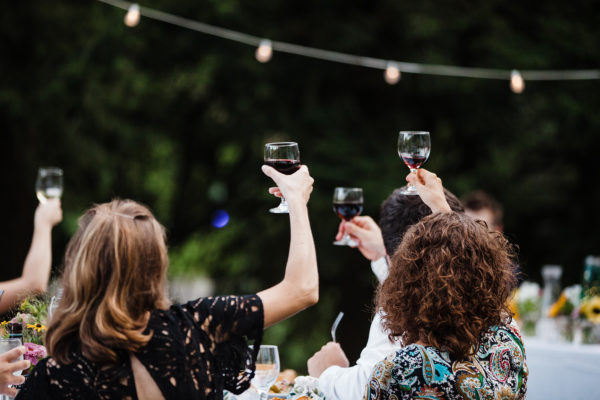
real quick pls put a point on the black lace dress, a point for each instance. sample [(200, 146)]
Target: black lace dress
[(197, 350)]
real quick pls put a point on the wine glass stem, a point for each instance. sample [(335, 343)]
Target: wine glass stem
[(283, 202), (410, 185), (263, 395)]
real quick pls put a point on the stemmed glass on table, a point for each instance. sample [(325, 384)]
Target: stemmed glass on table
[(347, 204), (413, 148), (285, 158), (8, 345), (267, 369), (49, 184)]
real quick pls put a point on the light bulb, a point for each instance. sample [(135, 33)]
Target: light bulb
[(392, 73), (517, 84), (264, 51), (132, 18)]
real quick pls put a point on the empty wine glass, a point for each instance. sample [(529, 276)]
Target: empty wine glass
[(413, 148), (49, 184), (347, 204), (285, 158), (267, 369)]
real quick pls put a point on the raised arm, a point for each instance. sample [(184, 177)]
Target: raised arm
[(299, 288), (36, 270)]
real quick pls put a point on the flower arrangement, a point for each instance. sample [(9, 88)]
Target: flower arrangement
[(582, 311), (526, 306), (568, 302), (31, 316)]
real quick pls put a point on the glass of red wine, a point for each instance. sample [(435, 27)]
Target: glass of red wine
[(347, 204), (413, 149), (285, 158)]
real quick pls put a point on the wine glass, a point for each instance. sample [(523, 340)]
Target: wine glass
[(49, 184), (347, 204), (267, 369), (285, 158), (413, 149), (8, 345)]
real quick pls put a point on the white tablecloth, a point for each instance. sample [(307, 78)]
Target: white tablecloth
[(562, 371)]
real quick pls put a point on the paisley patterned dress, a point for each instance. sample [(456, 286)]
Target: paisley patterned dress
[(497, 371)]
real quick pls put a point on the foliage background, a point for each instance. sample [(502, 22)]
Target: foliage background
[(177, 120)]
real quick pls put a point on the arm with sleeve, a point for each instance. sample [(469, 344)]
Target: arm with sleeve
[(339, 383)]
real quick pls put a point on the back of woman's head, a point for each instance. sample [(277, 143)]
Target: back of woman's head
[(449, 282), (114, 274)]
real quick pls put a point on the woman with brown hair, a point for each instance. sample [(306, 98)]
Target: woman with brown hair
[(446, 299), (115, 334)]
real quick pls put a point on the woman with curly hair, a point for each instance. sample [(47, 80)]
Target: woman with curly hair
[(446, 299)]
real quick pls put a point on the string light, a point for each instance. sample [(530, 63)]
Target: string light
[(517, 84), (392, 73), (264, 52), (265, 49), (132, 18)]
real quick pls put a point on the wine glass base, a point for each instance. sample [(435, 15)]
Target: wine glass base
[(408, 190), (349, 243), (279, 210)]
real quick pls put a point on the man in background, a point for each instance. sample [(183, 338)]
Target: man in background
[(480, 205)]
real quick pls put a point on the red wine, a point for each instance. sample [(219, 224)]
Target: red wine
[(287, 167), (413, 161), (347, 211)]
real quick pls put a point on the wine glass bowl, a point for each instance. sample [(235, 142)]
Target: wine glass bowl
[(267, 369), (413, 148), (285, 158), (347, 204), (49, 184)]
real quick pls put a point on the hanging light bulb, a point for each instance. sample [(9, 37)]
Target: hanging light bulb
[(517, 84), (392, 73), (132, 18), (264, 52)]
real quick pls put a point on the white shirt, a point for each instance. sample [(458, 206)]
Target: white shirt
[(339, 383)]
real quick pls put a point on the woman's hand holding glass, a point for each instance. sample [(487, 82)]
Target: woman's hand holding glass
[(430, 189), (296, 188), (11, 365), (367, 233)]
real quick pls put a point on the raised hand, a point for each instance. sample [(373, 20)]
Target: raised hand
[(368, 235), (296, 188), (430, 189), (48, 214)]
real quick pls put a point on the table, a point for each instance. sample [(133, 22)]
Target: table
[(562, 371)]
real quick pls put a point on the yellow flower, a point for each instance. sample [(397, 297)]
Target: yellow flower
[(3, 323), (556, 307), (512, 303), (590, 309), (36, 327)]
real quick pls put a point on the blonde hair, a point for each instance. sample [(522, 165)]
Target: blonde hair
[(114, 275)]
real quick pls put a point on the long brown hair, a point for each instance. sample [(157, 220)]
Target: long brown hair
[(114, 274), (449, 282)]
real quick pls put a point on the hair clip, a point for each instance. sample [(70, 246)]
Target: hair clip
[(115, 214), (122, 215)]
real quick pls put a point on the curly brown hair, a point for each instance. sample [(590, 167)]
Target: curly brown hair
[(449, 282)]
